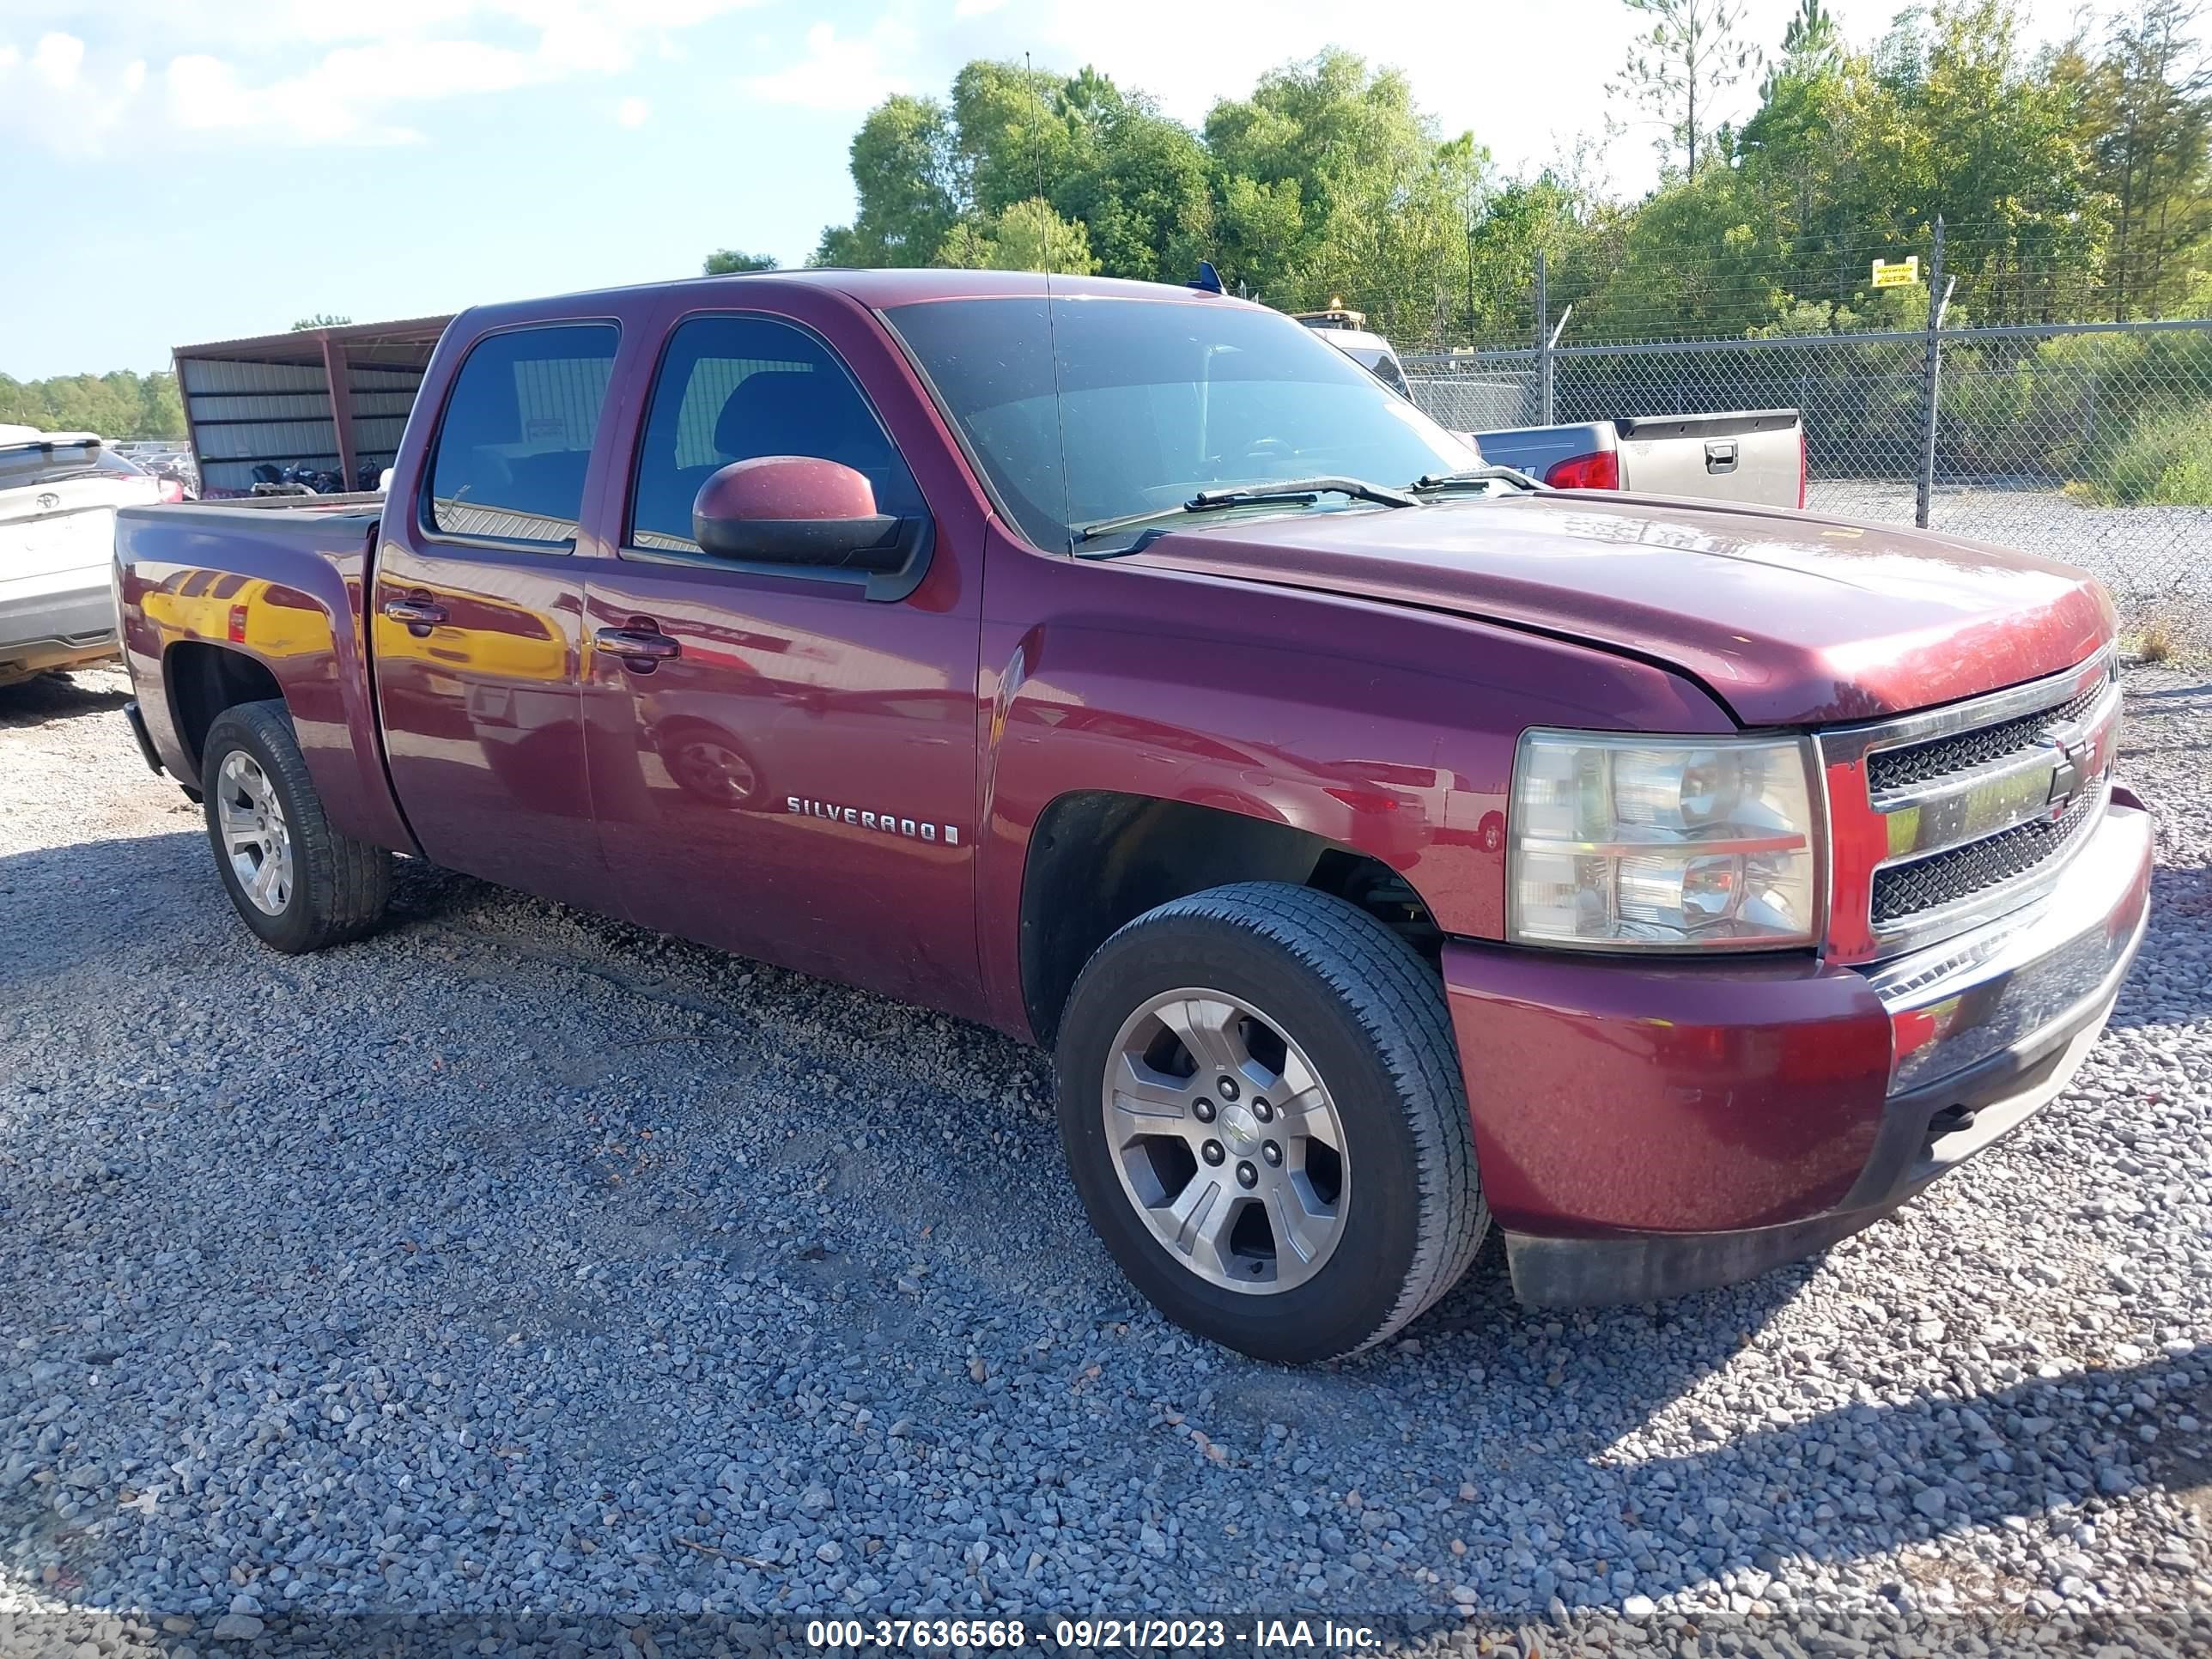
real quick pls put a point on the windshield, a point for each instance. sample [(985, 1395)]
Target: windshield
[(1085, 407)]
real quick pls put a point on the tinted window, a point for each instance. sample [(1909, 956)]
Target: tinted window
[(517, 437), (30, 464), (733, 388), (1381, 365), (1096, 408)]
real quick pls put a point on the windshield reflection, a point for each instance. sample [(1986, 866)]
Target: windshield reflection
[(1088, 409)]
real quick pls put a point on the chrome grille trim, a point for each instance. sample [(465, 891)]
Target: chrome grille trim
[(2052, 691), (2058, 839), (1974, 774), (1902, 773), (1956, 809)]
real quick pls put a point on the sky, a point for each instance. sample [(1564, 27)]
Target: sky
[(210, 169)]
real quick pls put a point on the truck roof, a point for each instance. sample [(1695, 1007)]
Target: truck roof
[(885, 288)]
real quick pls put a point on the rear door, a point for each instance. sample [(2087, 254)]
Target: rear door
[(794, 777), (477, 608)]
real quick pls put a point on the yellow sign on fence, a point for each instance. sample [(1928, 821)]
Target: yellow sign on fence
[(1897, 273)]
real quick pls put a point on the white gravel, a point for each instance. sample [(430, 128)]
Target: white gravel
[(516, 1259)]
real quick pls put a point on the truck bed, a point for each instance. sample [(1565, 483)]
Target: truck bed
[(270, 588), (1754, 456)]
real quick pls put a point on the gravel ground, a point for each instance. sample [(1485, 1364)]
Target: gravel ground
[(516, 1259)]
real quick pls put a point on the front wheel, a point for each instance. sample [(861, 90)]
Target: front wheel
[(1263, 1115), (297, 883)]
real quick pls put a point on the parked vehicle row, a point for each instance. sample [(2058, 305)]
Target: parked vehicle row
[(1387, 846)]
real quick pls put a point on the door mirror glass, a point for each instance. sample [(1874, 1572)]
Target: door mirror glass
[(796, 509)]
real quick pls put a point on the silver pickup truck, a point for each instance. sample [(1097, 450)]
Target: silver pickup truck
[(1748, 455), (1751, 455)]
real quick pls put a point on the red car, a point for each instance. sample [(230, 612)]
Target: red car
[(1387, 847)]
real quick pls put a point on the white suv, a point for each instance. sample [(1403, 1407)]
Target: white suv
[(58, 493)]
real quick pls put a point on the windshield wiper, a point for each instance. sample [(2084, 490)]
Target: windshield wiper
[(1474, 475), (1288, 491)]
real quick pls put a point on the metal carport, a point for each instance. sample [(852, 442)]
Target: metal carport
[(268, 400)]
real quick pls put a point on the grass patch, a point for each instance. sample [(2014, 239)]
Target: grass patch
[(2164, 459)]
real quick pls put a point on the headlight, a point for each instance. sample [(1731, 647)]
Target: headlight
[(1628, 843)]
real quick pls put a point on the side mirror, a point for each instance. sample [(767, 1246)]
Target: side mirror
[(796, 509)]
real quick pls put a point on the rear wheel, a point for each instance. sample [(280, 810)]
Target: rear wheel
[(297, 883), (1261, 1107)]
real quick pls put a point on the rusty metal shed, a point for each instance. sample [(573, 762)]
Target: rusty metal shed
[(268, 401)]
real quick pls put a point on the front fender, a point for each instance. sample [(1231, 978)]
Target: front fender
[(1381, 728)]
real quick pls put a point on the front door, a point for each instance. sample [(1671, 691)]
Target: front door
[(792, 773), (477, 613)]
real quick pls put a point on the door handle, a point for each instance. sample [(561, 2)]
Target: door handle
[(1720, 458), (638, 648), (419, 614)]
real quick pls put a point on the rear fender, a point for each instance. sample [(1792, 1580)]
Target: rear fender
[(284, 592)]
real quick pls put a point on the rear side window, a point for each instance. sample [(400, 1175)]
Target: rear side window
[(734, 388), (517, 438)]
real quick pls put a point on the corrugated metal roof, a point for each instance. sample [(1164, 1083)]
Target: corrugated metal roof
[(305, 345)]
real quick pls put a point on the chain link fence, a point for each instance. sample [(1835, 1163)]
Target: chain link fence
[(2089, 442)]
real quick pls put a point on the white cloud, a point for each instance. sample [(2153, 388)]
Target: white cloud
[(59, 58), (239, 72), (846, 75), (975, 7), (634, 111), (49, 95)]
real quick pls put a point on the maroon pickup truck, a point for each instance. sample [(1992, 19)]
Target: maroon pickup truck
[(1386, 845)]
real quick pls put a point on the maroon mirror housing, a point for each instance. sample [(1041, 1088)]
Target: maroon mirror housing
[(795, 509)]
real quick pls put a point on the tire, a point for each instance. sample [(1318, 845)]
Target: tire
[(336, 886), (1319, 993)]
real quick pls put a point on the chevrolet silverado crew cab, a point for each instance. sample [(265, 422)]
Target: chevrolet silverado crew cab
[(1389, 848)]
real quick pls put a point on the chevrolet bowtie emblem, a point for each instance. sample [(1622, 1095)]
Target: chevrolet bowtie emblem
[(2065, 781)]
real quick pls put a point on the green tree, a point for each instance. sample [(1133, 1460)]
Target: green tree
[(1689, 54), (2146, 118), (903, 169), (2071, 181), (733, 262), (1328, 182), (1027, 236), (120, 405)]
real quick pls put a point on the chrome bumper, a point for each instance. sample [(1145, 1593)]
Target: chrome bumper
[(1954, 1003), (1988, 1027)]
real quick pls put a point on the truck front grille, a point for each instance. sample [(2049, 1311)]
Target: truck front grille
[(1904, 891), (1889, 770), (1960, 814)]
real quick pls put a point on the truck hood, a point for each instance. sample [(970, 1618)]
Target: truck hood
[(1789, 618)]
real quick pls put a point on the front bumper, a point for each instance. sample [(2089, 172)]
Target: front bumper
[(1647, 1128)]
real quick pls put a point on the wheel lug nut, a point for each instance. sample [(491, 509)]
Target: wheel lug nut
[(1212, 1152), (1202, 1110), (1226, 1088), (1272, 1153), (1263, 1111), (1247, 1175)]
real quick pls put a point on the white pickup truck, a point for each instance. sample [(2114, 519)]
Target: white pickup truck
[(1744, 455)]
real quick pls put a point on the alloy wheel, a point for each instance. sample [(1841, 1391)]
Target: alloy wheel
[(1226, 1140)]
